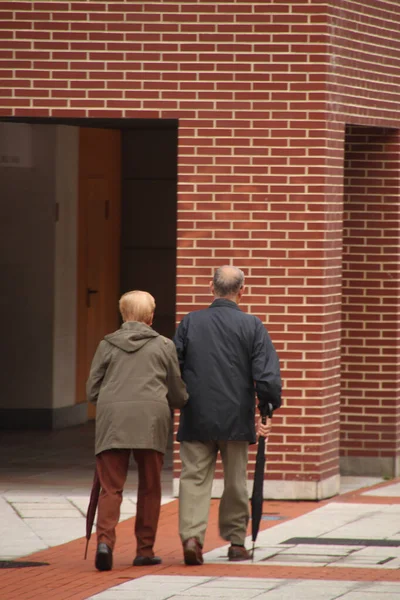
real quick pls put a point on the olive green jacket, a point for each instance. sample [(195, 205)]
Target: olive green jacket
[(135, 380)]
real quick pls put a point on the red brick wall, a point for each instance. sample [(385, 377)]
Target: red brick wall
[(363, 89), (371, 287), (261, 91), (363, 85)]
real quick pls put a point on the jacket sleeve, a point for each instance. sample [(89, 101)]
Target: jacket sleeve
[(180, 343), (98, 370), (177, 395), (266, 369)]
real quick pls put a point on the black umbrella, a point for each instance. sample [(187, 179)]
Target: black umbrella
[(258, 483), (91, 511)]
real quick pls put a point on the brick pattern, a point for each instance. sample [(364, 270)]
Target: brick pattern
[(364, 74), (371, 287), (255, 88)]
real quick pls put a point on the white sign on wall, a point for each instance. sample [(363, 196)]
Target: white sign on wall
[(16, 145)]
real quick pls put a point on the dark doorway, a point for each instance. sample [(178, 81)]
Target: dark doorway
[(369, 378), (147, 261), (149, 212)]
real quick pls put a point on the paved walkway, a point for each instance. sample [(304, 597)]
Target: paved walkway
[(347, 547)]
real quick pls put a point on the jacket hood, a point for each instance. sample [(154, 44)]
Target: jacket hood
[(132, 336)]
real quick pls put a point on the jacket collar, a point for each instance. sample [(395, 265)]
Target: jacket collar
[(224, 302)]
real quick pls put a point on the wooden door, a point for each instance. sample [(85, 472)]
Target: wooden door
[(98, 245)]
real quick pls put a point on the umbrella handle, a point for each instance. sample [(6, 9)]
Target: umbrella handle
[(268, 413)]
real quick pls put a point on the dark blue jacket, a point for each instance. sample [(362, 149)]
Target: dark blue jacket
[(226, 356)]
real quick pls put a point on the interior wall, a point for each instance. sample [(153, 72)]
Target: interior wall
[(370, 398), (27, 267), (149, 204), (65, 266)]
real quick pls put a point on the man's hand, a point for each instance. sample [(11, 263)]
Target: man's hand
[(262, 429)]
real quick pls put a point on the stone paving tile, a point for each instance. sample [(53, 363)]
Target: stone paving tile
[(54, 532), (295, 560), (338, 587), (130, 595), (245, 582), (19, 507), (35, 499), (387, 490), (177, 581), (148, 588), (226, 587), (202, 592), (390, 508), (191, 587), (316, 549), (364, 562), (44, 513), (357, 531), (363, 595), (128, 507), (349, 483), (309, 590), (29, 523), (189, 597), (383, 587), (379, 552), (261, 553), (13, 552)]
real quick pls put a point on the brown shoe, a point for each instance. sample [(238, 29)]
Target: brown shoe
[(236, 553), (146, 561), (192, 552)]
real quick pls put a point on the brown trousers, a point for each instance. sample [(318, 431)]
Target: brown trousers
[(112, 467)]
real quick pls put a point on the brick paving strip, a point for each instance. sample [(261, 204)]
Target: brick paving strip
[(70, 577)]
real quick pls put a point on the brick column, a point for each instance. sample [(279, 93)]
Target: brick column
[(271, 211)]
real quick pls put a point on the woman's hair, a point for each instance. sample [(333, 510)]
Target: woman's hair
[(137, 306)]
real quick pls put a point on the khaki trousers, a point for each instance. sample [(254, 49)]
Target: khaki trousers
[(112, 467), (198, 467)]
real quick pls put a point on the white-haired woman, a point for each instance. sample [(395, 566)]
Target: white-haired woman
[(134, 381)]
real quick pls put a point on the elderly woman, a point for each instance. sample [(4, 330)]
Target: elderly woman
[(135, 381)]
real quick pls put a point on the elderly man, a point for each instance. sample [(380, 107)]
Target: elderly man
[(135, 381), (226, 356)]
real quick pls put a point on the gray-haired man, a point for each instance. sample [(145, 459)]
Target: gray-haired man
[(226, 357)]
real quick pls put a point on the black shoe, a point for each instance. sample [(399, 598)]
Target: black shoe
[(146, 561), (104, 557)]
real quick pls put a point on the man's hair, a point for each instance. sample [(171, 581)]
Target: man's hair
[(137, 306), (228, 281)]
